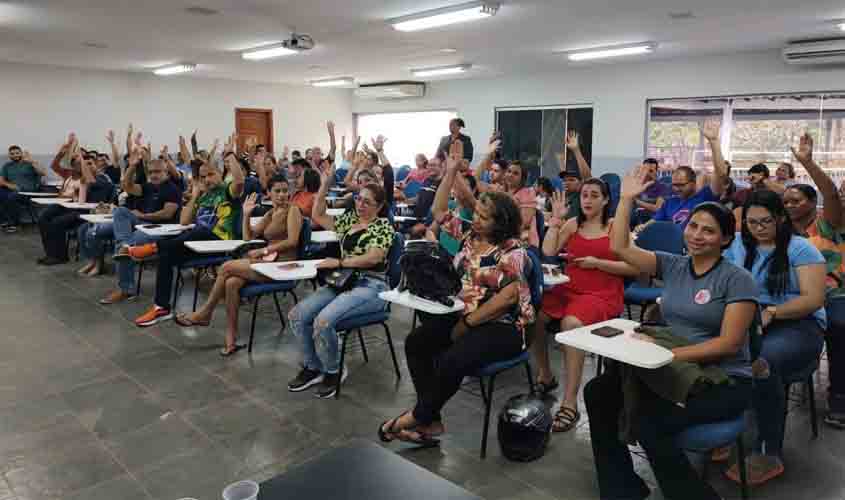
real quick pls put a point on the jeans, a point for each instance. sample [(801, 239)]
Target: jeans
[(657, 426), (438, 365), (320, 313), (55, 221), (92, 239), (788, 347), (171, 253), (10, 206), (124, 222)]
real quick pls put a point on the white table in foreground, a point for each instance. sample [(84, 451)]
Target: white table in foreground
[(217, 246), (288, 271), (50, 201), (163, 229), (324, 237), (411, 301), (97, 218), (38, 194), (76, 205), (621, 348)]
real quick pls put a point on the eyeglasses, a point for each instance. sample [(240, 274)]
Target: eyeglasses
[(760, 222)]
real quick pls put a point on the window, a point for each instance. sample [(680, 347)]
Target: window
[(407, 133), (755, 129)]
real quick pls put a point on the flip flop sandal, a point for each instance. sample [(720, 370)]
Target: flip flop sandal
[(184, 320), (226, 351), (422, 441), (544, 388), (753, 473), (386, 436), (565, 419)]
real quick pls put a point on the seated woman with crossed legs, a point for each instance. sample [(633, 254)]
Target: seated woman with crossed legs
[(281, 227), (710, 304)]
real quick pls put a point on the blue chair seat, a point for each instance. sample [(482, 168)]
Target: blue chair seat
[(493, 368), (362, 320), (255, 289), (706, 437), (639, 294), (205, 261)]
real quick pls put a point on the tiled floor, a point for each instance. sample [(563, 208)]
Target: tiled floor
[(93, 408)]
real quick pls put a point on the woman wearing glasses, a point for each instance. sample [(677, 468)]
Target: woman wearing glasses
[(789, 272), (365, 238)]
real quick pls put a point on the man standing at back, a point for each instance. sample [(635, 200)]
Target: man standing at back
[(17, 175)]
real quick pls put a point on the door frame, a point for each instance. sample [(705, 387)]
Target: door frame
[(270, 141)]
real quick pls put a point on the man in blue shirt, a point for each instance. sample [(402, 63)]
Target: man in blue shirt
[(17, 175), (678, 208)]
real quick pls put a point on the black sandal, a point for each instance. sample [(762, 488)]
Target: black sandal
[(384, 436), (422, 441), (543, 388), (226, 351), (565, 419)]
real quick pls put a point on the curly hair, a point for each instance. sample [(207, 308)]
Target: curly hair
[(507, 220)]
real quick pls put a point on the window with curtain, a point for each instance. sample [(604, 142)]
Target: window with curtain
[(407, 133)]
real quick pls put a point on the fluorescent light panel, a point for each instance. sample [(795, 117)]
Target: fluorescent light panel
[(471, 11), (333, 82), (175, 69), (602, 53), (267, 52), (841, 26), (441, 70)]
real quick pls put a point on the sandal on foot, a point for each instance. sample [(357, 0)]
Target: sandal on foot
[(422, 440), (543, 388), (182, 319), (757, 470), (565, 419), (387, 436), (228, 351), (721, 454)]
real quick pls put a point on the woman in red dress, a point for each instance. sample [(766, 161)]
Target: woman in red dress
[(594, 293)]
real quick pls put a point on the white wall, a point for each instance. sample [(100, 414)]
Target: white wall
[(41, 104), (618, 93)]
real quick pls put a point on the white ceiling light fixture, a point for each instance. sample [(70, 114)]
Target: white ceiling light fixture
[(333, 82), (614, 51), (175, 69), (441, 70), (445, 16), (267, 52), (841, 25)]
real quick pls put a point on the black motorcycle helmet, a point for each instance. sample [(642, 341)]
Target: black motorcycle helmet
[(524, 428)]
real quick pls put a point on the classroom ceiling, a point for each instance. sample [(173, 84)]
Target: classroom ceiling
[(526, 36)]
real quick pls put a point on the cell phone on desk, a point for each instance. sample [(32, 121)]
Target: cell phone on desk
[(152, 226), (607, 332), (291, 266)]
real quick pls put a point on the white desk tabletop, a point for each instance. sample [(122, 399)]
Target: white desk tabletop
[(96, 218), (75, 205), (215, 246), (324, 237), (163, 229), (622, 348), (334, 212), (288, 271), (39, 194), (50, 201), (405, 205), (552, 280), (403, 218), (406, 299)]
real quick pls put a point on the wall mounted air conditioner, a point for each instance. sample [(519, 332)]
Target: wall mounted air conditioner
[(829, 51), (393, 90)]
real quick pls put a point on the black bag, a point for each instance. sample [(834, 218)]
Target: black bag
[(341, 280), (525, 424), (427, 272)]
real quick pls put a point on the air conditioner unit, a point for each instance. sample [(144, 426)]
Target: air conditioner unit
[(828, 51), (388, 91)]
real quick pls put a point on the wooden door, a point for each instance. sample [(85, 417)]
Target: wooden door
[(254, 126)]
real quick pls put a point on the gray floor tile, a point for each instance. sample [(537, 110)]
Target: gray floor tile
[(122, 488), (166, 437)]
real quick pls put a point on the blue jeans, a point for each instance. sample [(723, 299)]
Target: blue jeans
[(10, 206), (124, 222), (92, 239), (323, 310), (789, 346)]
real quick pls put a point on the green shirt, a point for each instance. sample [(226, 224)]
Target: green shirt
[(21, 173), (573, 200), (219, 211)]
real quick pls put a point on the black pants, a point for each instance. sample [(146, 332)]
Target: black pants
[(171, 253), (835, 341), (657, 426), (438, 365), (55, 222), (10, 206)]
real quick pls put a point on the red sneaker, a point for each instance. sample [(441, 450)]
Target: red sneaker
[(155, 315), (141, 252)]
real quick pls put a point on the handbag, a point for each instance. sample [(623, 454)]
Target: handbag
[(341, 280)]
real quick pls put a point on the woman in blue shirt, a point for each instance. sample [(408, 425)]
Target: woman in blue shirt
[(789, 272)]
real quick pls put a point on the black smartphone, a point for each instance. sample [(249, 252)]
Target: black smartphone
[(607, 331), (152, 226)]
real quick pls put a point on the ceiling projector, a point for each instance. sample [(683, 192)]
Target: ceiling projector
[(298, 42)]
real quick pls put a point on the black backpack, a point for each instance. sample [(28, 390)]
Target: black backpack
[(427, 272)]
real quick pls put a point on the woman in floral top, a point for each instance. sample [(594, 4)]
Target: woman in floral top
[(491, 328), (365, 238)]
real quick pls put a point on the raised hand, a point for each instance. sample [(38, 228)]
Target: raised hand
[(139, 138), (229, 146), (250, 203), (378, 143), (804, 153), (27, 157), (71, 138), (635, 182), (164, 151), (572, 140), (494, 146), (456, 154), (710, 131), (330, 127), (355, 141), (110, 137), (559, 207)]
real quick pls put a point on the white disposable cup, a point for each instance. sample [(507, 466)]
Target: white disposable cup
[(242, 490)]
